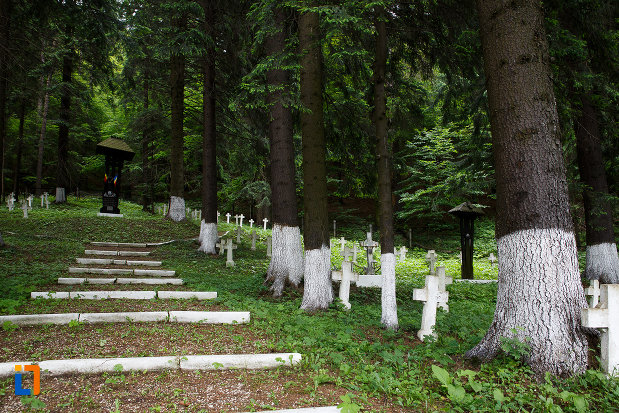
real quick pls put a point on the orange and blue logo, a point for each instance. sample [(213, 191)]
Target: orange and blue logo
[(19, 391)]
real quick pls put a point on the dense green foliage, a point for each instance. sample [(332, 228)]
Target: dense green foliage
[(435, 88)]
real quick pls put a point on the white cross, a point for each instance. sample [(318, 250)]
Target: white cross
[(241, 217), (345, 283), (265, 223), (229, 247), (254, 236), (42, 200), (251, 223), (432, 298), (492, 259), (24, 206), (355, 251), (46, 203), (218, 214), (346, 253), (228, 218), (606, 317), (236, 220), (443, 282), (594, 291), (431, 260), (342, 243), (269, 246), (402, 253)]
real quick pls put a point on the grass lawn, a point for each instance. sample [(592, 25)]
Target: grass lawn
[(347, 357)]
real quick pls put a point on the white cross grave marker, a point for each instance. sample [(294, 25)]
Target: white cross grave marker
[(42, 198), (30, 198), (236, 220), (229, 247), (228, 218), (221, 245), (24, 207), (342, 243), (492, 259), (218, 214), (251, 223), (594, 291), (402, 253), (443, 282), (345, 283), (432, 297), (431, 260), (254, 236), (265, 223), (269, 246), (241, 217), (369, 245), (346, 252), (355, 251), (606, 317)]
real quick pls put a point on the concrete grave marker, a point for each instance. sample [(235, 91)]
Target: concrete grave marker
[(492, 259), (345, 283), (24, 207), (228, 218), (251, 223), (431, 260), (236, 220), (342, 243), (218, 214), (432, 298), (593, 290), (29, 199), (606, 317), (369, 246), (265, 223), (346, 252), (254, 236), (355, 251), (238, 234), (241, 217), (402, 253), (221, 244), (229, 247)]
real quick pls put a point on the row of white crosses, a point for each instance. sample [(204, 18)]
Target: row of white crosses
[(10, 202), (603, 313)]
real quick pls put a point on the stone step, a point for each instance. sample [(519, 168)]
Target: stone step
[(131, 295), (204, 362), (111, 261), (121, 271), (120, 244), (117, 253), (150, 281), (326, 409), (204, 317)]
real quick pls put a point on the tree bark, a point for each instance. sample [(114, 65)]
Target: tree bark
[(208, 227), (177, 92), (318, 290), (602, 259), (286, 264), (44, 110), (20, 144), (389, 318), (62, 172), (5, 30), (540, 296)]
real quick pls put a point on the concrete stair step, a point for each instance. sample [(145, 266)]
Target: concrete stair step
[(117, 253), (122, 271), (149, 281), (111, 261), (131, 295)]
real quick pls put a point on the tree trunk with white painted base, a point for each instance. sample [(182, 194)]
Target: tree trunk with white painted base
[(208, 227), (602, 258), (286, 266), (208, 237), (318, 289), (539, 295), (176, 211), (389, 318)]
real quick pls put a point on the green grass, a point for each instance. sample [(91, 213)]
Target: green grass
[(345, 348)]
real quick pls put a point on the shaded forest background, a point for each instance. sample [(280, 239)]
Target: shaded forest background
[(117, 54)]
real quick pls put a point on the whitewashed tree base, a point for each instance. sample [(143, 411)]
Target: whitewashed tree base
[(177, 209), (286, 258), (389, 318), (208, 238), (603, 263), (318, 289)]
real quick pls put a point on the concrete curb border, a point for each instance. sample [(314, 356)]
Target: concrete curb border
[(206, 362), (149, 281), (327, 409)]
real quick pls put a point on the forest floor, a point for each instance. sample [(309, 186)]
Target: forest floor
[(348, 358)]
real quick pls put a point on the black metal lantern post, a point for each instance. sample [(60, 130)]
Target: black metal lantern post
[(467, 213), (116, 152)]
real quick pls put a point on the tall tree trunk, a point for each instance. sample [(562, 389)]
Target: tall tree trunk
[(318, 290), (62, 173), (602, 259), (20, 145), (176, 211), (389, 317), (287, 253), (208, 226), (5, 30), (45, 107), (539, 296), (146, 170)]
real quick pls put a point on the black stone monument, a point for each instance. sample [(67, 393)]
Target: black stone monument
[(467, 213), (116, 152)]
